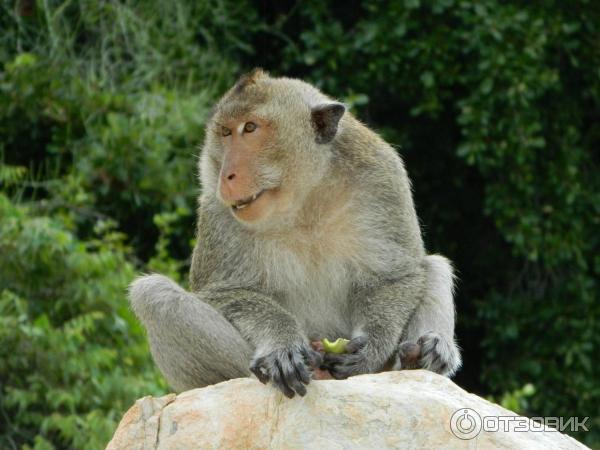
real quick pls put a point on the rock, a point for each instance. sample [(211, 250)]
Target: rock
[(402, 409)]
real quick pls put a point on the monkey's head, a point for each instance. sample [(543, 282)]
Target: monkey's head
[(267, 145)]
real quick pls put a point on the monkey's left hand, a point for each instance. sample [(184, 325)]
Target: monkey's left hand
[(356, 361)]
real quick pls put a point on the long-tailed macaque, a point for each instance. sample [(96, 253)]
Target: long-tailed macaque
[(306, 230)]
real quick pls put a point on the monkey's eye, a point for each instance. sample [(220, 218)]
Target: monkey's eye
[(225, 131), (249, 127)]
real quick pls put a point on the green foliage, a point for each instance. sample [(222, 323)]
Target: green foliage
[(517, 400), (118, 154), (72, 357), (493, 105)]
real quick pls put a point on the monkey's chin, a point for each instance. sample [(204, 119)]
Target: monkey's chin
[(257, 209)]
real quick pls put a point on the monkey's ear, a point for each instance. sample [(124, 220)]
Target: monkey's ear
[(325, 119)]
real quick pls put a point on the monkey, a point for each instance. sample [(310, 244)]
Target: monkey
[(306, 229)]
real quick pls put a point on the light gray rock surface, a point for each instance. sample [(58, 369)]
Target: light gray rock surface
[(406, 409)]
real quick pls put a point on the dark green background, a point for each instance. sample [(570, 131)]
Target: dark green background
[(493, 105)]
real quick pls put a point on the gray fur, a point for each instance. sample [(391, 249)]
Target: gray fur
[(191, 342), (344, 258), (432, 326)]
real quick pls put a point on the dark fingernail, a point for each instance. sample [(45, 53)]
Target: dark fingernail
[(263, 378), (289, 394), (301, 390)]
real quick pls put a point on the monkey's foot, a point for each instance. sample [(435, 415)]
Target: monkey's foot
[(409, 354), (431, 352)]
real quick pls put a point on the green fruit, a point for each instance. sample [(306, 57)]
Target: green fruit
[(339, 346)]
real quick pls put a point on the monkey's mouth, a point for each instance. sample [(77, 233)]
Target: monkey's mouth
[(241, 204)]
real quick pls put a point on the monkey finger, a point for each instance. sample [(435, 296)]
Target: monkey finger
[(302, 372), (261, 372), (280, 382), (332, 359), (329, 366), (258, 368), (290, 375), (356, 344), (312, 357), (298, 387), (338, 374)]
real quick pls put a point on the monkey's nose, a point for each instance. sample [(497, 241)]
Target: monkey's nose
[(231, 176)]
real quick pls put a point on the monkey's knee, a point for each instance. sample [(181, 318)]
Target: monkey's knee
[(151, 296), (191, 342), (436, 309), (440, 279)]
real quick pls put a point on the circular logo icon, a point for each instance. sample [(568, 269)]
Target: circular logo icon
[(465, 423)]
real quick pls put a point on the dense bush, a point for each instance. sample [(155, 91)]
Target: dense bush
[(493, 105), (72, 357)]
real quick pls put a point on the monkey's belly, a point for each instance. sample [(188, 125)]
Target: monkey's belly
[(322, 317)]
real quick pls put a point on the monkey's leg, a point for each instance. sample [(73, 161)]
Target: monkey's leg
[(191, 342), (428, 339)]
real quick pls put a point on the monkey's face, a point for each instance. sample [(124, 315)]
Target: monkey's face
[(249, 180), (267, 147)]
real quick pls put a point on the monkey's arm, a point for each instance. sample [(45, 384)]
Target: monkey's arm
[(223, 276), (219, 268), (282, 354), (259, 319), (379, 315), (380, 311)]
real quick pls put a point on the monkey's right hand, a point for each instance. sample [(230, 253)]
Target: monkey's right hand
[(289, 368)]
